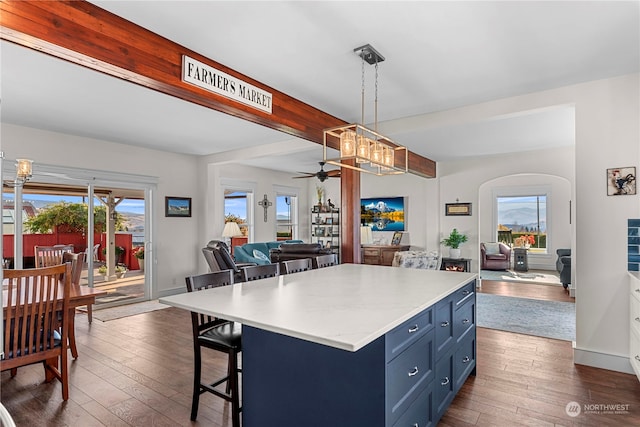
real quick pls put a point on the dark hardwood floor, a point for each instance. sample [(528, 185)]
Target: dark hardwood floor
[(136, 371)]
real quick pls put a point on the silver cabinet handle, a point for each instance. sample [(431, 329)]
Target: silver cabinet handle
[(414, 372), (444, 324), (465, 359), (465, 321), (466, 292), (445, 381), (414, 329), (415, 425)]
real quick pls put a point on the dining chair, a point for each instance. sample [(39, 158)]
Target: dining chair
[(322, 261), (47, 256), (76, 261), (36, 321), (256, 272), (296, 265), (219, 335)]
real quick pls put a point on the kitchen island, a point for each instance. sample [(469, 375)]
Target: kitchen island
[(349, 345)]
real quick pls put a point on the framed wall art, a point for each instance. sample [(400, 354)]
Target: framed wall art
[(621, 181), (383, 213), (177, 206), (462, 209)]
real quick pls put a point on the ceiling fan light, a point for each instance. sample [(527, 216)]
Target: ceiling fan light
[(347, 143)]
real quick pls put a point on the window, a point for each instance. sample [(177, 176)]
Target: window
[(237, 207), (520, 216), (286, 217)]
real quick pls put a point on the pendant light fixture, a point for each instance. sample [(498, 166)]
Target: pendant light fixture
[(373, 152)]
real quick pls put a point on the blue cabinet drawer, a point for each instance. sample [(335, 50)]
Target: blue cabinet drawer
[(408, 374), (408, 332), (464, 360), (420, 413), (463, 294), (464, 319)]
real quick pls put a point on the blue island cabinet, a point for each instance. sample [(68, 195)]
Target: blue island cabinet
[(406, 377)]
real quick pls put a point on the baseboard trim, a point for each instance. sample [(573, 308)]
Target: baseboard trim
[(602, 360)]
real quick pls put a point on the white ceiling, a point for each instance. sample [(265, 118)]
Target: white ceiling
[(439, 55)]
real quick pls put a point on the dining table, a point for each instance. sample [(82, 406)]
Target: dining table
[(348, 344), (80, 295)]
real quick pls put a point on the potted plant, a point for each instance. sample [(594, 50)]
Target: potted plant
[(138, 252), (120, 271), (453, 242)]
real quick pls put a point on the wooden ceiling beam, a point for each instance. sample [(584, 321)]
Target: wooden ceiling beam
[(84, 34)]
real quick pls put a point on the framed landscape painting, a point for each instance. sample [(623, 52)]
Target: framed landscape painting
[(177, 206), (383, 213)]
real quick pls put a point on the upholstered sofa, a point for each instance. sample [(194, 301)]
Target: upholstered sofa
[(257, 252), (563, 265), (289, 251), (495, 256)]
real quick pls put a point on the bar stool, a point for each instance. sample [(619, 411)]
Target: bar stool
[(215, 334)]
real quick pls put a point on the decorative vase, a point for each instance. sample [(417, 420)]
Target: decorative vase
[(141, 264), (454, 253)]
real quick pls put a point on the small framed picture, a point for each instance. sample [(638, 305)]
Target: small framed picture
[(328, 245), (320, 231), (321, 242), (177, 206), (621, 181), (397, 236), (329, 221), (463, 209)]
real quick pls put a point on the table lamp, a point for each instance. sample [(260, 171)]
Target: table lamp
[(366, 236), (231, 229)]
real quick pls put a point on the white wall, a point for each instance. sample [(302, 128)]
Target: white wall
[(607, 133), (474, 181), (176, 239)]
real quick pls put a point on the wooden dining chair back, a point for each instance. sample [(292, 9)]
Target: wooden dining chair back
[(77, 263), (257, 272), (296, 265), (47, 256), (36, 321), (219, 335), (322, 261)]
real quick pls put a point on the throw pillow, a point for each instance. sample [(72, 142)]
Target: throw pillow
[(260, 255), (491, 248)]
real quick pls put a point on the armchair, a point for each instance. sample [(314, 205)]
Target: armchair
[(217, 255), (495, 256), (563, 265)]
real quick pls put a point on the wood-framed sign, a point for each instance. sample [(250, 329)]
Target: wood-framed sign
[(461, 209), (177, 206)]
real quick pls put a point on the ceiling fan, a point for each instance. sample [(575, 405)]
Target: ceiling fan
[(322, 175)]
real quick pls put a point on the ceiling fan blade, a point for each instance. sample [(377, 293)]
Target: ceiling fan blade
[(334, 173), (308, 176)]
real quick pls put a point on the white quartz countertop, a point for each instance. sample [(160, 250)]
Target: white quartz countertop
[(346, 306)]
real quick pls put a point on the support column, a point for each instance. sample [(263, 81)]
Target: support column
[(350, 218)]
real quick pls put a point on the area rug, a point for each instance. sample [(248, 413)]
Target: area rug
[(543, 277), (106, 314), (551, 319)]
